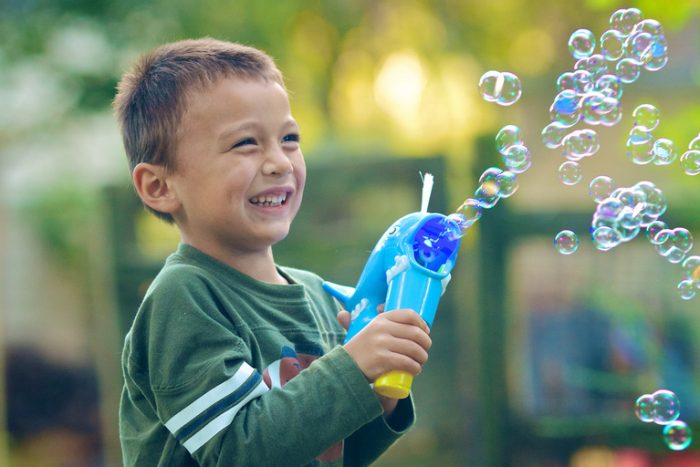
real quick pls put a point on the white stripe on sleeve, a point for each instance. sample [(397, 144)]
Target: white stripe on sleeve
[(222, 421), (211, 397)]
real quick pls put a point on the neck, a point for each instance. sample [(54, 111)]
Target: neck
[(258, 264)]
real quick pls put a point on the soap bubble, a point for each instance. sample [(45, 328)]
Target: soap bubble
[(553, 134), (628, 70), (690, 161), (640, 150), (506, 137), (611, 44), (667, 407), (625, 19), (517, 158), (605, 238), (646, 117), (695, 143), (601, 187), (686, 289), (638, 47), (487, 193), (581, 43), (565, 108), (467, 213), (610, 85), (570, 173), (650, 26), (507, 183), (503, 88), (580, 143), (677, 435), (654, 229), (566, 242), (691, 269), (664, 151), (644, 408)]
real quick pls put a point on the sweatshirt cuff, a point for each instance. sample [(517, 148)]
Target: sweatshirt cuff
[(402, 418)]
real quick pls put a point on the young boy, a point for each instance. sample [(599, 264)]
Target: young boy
[(231, 359)]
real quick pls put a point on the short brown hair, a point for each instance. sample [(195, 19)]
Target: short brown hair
[(152, 96)]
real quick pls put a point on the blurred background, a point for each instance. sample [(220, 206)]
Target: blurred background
[(538, 358)]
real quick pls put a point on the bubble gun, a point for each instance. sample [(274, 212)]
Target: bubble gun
[(408, 268)]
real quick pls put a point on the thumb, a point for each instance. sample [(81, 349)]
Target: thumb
[(343, 318)]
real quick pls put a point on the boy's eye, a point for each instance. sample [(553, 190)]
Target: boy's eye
[(244, 142), (291, 137)]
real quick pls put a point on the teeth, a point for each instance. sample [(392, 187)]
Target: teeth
[(269, 200)]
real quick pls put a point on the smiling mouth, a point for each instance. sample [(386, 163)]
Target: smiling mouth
[(270, 200)]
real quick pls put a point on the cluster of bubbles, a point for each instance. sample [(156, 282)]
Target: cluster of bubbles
[(620, 215), (643, 148), (502, 87), (663, 408), (496, 183), (592, 92)]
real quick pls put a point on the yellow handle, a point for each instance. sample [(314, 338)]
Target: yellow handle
[(394, 384)]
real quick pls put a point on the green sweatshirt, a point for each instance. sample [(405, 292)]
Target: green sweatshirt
[(222, 369)]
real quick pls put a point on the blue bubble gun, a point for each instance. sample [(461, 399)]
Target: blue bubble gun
[(409, 268)]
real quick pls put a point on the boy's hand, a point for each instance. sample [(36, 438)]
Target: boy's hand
[(397, 340)]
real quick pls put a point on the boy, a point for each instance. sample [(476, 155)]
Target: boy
[(213, 148)]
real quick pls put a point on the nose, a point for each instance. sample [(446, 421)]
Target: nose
[(277, 162)]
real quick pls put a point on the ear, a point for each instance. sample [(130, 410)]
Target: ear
[(151, 183)]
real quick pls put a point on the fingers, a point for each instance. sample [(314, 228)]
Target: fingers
[(394, 340), (343, 318), (406, 317)]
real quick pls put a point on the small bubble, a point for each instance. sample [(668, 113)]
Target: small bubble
[(487, 193), (565, 109), (566, 242), (553, 134), (570, 173), (654, 230), (664, 151), (691, 268), (601, 187), (667, 407), (467, 213), (611, 44), (628, 70), (605, 238), (517, 158), (686, 289), (646, 117), (690, 161), (507, 183), (644, 408), (677, 435), (581, 43), (506, 137)]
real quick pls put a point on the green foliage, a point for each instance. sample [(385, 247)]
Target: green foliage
[(61, 218)]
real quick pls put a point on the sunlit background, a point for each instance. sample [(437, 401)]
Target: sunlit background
[(538, 357)]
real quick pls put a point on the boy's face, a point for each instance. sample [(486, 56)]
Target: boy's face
[(240, 173)]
